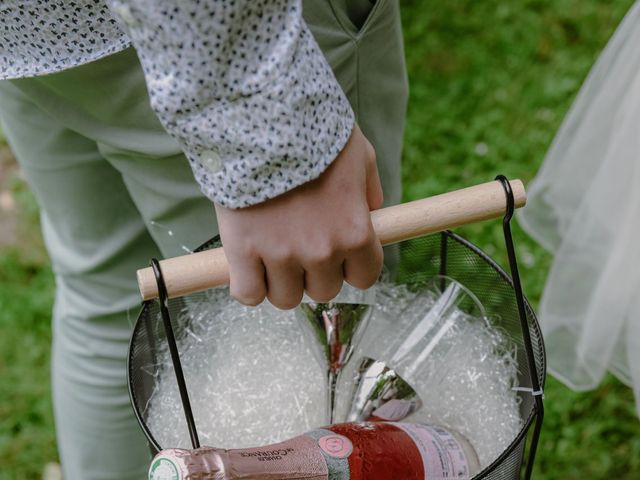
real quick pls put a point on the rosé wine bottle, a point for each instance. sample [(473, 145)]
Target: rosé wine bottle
[(346, 451)]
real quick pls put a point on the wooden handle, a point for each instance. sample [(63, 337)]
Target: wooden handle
[(208, 269)]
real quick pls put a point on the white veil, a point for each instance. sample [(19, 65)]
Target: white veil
[(584, 206)]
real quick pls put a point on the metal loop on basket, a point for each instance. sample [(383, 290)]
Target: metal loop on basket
[(536, 389), (162, 287), (510, 199), (173, 350)]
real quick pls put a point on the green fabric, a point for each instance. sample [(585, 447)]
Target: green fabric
[(369, 64), (115, 190), (357, 11)]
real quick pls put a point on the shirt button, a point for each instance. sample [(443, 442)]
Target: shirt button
[(211, 160), (124, 12)]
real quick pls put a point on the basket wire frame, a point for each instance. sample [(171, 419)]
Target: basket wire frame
[(163, 301), (451, 254)]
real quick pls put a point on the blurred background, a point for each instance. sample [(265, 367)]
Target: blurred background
[(490, 83)]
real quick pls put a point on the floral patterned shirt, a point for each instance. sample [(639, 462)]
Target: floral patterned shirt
[(241, 84)]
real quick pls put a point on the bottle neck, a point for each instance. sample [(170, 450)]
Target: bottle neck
[(204, 463), (298, 458)]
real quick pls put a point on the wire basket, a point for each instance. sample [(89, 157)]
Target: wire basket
[(419, 259)]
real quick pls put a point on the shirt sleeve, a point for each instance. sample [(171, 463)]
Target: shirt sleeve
[(244, 88)]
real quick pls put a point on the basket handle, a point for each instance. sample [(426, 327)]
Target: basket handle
[(207, 269)]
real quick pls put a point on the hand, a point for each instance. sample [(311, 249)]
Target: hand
[(310, 238)]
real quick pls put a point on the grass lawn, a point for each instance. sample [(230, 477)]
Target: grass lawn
[(490, 83)]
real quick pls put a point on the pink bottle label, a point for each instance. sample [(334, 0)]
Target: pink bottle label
[(296, 458), (336, 446)]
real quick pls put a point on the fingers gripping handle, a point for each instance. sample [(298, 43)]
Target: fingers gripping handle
[(208, 269)]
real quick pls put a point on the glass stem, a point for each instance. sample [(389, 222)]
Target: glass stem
[(332, 383)]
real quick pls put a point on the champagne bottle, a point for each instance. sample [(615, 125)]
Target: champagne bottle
[(347, 451)]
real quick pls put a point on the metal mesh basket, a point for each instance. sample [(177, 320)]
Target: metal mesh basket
[(418, 261)]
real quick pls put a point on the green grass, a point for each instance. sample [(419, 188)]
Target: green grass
[(27, 439), (490, 84), (26, 427)]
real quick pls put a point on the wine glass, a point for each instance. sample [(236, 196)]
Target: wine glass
[(333, 330), (418, 347)]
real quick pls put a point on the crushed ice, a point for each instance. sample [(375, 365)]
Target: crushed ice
[(253, 379)]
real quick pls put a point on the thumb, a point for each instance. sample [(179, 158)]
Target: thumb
[(375, 196)]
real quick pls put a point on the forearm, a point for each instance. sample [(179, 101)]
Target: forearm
[(244, 88)]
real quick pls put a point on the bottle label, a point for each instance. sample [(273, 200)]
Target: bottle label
[(442, 455), (297, 458), (163, 468), (335, 449), (336, 446)]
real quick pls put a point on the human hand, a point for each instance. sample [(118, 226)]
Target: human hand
[(311, 238)]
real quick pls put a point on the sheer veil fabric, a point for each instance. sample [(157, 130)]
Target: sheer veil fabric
[(584, 207)]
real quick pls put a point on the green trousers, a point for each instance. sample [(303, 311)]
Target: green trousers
[(115, 190)]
